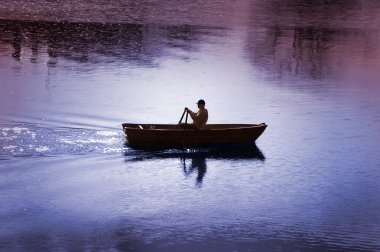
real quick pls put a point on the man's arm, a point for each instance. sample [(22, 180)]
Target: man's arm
[(193, 115)]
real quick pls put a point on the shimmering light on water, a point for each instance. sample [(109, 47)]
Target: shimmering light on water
[(70, 76)]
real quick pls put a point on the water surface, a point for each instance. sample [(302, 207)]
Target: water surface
[(71, 74)]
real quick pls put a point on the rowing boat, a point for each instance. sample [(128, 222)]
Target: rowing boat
[(186, 136)]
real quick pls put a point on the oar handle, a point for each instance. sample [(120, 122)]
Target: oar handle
[(182, 116)]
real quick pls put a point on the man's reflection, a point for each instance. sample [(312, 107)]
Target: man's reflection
[(195, 160), (197, 164), (16, 43)]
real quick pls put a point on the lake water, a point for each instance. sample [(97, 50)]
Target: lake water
[(72, 71)]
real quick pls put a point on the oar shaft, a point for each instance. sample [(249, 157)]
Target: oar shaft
[(182, 117), (187, 114), (184, 130)]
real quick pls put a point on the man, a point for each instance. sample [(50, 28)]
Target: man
[(200, 118)]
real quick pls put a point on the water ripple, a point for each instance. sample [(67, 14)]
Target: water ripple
[(31, 140)]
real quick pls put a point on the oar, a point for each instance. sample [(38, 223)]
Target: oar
[(184, 130), (187, 114), (182, 117)]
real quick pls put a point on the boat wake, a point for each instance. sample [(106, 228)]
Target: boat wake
[(29, 140)]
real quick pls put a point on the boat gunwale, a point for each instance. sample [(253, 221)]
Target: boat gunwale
[(175, 136), (238, 127)]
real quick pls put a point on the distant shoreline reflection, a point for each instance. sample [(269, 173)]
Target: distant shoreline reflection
[(93, 43), (195, 160)]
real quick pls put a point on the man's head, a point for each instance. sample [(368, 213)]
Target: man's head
[(201, 103)]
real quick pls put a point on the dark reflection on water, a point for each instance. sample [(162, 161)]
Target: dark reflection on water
[(197, 164), (195, 160), (97, 42), (240, 151), (300, 41), (310, 52), (306, 8)]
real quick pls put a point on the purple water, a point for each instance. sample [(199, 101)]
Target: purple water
[(72, 71)]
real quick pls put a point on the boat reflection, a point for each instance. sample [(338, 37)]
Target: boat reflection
[(237, 151), (195, 160)]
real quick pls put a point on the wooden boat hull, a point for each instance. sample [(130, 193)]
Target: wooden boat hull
[(184, 136)]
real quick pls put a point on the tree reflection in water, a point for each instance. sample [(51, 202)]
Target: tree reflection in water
[(95, 43)]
